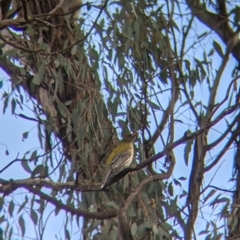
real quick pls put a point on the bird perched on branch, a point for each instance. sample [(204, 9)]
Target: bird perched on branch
[(120, 158)]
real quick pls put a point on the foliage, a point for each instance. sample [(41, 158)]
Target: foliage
[(146, 66)]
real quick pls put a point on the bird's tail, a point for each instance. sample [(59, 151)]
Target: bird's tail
[(105, 178)]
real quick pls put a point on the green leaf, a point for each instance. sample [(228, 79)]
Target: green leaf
[(5, 103), (187, 65), (211, 193), (93, 226), (209, 237), (106, 228), (154, 105), (183, 194), (166, 226), (176, 182), (67, 234), (25, 166), (177, 120), (211, 52), (134, 228), (170, 189), (23, 204), (38, 78), (38, 171), (67, 103), (62, 109), (10, 233), (24, 136), (131, 212), (203, 232), (30, 30), (11, 208), (112, 204), (219, 236), (141, 230), (7, 152), (187, 151), (219, 200), (218, 48), (13, 105), (2, 219), (1, 203), (34, 217), (57, 210), (155, 229), (74, 50), (57, 63), (34, 155), (22, 225), (121, 123), (125, 182), (182, 178)]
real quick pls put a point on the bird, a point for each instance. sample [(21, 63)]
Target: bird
[(120, 158)]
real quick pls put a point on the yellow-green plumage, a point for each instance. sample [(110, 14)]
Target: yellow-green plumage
[(120, 158)]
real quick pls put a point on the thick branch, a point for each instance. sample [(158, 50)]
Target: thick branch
[(215, 22), (94, 187), (123, 219), (171, 146), (6, 186), (72, 210), (216, 82), (12, 22)]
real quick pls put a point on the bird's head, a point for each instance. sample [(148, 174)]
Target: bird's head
[(130, 137)]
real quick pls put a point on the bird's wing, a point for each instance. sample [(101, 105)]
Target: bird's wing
[(119, 156), (105, 178), (123, 156)]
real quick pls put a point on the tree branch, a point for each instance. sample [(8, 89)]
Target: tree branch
[(213, 89), (123, 219), (94, 187), (215, 22), (29, 182), (72, 210), (171, 146), (223, 135), (224, 149)]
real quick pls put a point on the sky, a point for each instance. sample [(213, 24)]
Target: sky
[(220, 176), (12, 141)]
